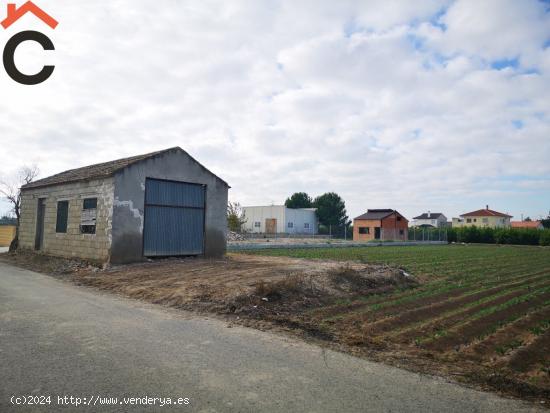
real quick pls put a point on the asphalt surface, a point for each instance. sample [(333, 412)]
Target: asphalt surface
[(61, 340)]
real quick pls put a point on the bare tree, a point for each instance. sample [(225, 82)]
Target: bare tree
[(10, 188)]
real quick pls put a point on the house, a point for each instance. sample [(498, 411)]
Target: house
[(380, 224), (483, 218), (430, 219), (163, 203), (278, 219), (527, 224)]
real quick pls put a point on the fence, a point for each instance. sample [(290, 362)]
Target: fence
[(7, 234), (261, 235), (428, 234)]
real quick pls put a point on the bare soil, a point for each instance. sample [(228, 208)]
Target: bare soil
[(237, 284), (331, 302)]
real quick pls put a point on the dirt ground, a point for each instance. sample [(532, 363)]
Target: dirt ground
[(237, 284), (319, 300)]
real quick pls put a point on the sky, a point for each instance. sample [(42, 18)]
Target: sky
[(416, 106)]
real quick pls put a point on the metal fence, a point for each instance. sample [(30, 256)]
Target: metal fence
[(343, 233), (427, 234)]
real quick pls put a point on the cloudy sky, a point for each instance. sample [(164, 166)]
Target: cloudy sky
[(424, 105)]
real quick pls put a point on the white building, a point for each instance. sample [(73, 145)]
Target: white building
[(429, 219), (278, 219)]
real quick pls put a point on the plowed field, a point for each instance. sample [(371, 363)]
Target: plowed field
[(481, 313)]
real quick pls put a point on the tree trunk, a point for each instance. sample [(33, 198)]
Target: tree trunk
[(14, 245)]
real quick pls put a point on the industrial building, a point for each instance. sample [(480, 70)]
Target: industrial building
[(163, 203), (278, 219)]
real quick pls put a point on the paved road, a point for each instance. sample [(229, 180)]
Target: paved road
[(57, 339)]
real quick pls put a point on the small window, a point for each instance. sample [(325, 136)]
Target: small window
[(89, 215), (257, 224), (87, 229), (485, 220), (306, 225), (89, 203), (364, 230), (468, 220), (399, 218), (290, 225), (401, 232), (475, 219), (62, 216)]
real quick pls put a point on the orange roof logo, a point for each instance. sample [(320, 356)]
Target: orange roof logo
[(15, 14)]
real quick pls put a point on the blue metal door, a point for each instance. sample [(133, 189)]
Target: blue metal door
[(174, 218)]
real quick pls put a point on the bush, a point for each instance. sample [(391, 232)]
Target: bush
[(516, 236), (545, 237)]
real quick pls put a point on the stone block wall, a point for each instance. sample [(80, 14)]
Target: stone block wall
[(73, 243)]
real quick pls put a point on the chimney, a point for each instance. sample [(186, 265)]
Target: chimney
[(486, 206)]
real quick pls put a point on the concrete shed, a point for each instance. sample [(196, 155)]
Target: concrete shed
[(159, 204)]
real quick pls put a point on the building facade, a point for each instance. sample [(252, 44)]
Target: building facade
[(380, 224), (278, 219), (159, 204), (483, 218), (430, 219)]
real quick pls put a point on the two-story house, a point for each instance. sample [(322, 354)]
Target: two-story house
[(483, 218), (430, 219)]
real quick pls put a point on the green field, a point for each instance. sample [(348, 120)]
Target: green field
[(482, 310)]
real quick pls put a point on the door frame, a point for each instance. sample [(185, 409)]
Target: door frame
[(205, 186), (39, 231), (273, 222), (377, 232)]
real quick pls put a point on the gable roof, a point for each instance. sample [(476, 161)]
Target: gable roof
[(433, 215), (486, 213), (102, 170), (526, 224), (378, 214)]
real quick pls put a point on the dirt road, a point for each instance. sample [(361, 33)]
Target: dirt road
[(60, 340)]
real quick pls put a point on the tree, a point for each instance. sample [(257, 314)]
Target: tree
[(331, 210), (546, 221), (235, 217), (10, 188), (528, 219), (8, 220), (299, 200)]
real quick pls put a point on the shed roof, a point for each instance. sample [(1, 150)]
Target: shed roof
[(103, 170), (433, 215), (377, 214)]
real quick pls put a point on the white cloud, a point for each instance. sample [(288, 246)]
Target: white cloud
[(390, 104)]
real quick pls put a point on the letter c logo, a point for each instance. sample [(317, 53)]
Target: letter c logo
[(9, 57)]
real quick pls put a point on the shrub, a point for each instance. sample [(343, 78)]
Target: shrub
[(545, 237), (516, 236)]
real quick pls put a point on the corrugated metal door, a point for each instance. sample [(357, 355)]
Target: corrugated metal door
[(174, 218)]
